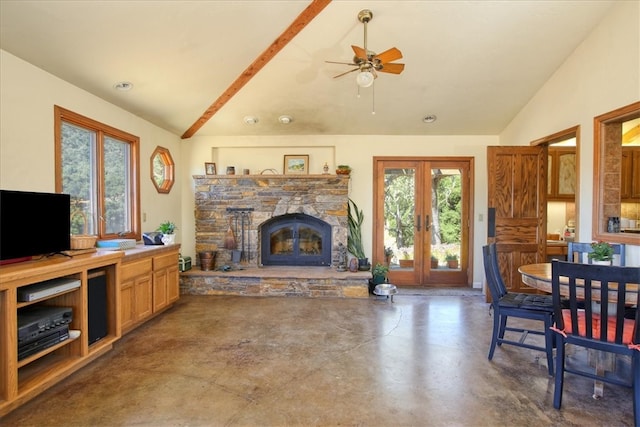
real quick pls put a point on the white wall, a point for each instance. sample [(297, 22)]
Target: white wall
[(28, 95), (603, 74)]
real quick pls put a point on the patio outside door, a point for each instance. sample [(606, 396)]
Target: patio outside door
[(422, 217)]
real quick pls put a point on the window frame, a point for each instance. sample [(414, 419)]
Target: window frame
[(62, 115)]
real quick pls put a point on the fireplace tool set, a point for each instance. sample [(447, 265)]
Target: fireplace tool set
[(241, 217)]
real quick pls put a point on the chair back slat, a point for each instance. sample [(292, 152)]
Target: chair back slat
[(493, 256), (490, 276), (597, 296)]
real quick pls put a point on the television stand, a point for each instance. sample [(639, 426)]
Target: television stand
[(21, 380)]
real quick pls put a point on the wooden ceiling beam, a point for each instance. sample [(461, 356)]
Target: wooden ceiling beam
[(278, 44)]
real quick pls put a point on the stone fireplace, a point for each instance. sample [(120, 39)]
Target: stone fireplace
[(311, 213), (319, 200)]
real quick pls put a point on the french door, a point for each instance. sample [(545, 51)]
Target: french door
[(422, 219)]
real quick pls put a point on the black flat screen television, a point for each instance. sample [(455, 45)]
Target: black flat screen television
[(33, 224)]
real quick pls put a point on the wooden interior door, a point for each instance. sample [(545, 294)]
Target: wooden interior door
[(517, 209)]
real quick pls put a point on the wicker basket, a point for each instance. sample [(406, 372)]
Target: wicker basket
[(83, 241)]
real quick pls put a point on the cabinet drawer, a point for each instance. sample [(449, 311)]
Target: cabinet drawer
[(164, 261), (136, 268)]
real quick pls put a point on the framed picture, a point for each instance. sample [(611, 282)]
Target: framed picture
[(210, 168), (296, 164)]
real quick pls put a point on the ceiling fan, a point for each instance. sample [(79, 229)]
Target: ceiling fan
[(369, 63)]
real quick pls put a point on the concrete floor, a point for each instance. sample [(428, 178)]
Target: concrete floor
[(243, 361)]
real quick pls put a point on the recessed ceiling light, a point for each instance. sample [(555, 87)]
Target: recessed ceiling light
[(123, 86), (429, 118), (285, 120), (251, 120)]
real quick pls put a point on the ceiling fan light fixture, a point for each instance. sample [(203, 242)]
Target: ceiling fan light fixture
[(364, 79), (285, 120), (251, 120)]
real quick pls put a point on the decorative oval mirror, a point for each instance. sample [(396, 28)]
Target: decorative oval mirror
[(162, 169)]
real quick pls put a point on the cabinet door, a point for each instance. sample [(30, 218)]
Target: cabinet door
[(127, 316), (630, 174), (561, 184), (635, 174), (626, 173), (159, 289), (173, 284), (566, 174), (143, 297)]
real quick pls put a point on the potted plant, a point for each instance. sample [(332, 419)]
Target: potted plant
[(452, 260), (355, 217), (343, 169), (434, 261), (406, 261), (388, 254), (602, 253), (168, 229), (379, 273)]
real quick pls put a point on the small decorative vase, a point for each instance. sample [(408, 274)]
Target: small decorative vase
[(168, 239), (231, 170), (353, 265)]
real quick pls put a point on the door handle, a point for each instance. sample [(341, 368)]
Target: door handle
[(418, 223), (427, 225)]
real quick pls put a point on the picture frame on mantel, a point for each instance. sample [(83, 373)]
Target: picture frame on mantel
[(296, 164), (210, 168)]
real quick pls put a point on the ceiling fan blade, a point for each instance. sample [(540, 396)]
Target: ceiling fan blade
[(391, 68), (346, 72), (360, 52), (388, 55), (343, 63)]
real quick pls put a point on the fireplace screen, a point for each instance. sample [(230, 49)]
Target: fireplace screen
[(295, 239)]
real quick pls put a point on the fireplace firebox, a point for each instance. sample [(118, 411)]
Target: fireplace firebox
[(295, 239)]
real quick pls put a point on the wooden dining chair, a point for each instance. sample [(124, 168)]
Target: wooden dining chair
[(512, 304), (588, 323), (579, 251)]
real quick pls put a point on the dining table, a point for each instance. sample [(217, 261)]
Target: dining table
[(539, 276)]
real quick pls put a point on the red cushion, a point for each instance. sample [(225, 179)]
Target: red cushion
[(627, 329)]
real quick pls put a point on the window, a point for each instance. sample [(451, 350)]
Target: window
[(99, 167), (162, 169)]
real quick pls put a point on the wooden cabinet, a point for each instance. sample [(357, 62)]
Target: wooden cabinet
[(21, 380), (630, 175), (150, 284), (135, 292), (561, 184)]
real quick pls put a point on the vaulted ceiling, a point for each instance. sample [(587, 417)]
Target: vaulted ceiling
[(473, 64)]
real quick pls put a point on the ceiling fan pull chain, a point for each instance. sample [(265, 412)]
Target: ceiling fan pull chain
[(373, 99)]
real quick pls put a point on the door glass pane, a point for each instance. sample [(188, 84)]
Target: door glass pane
[(446, 218), (117, 186), (399, 217), (79, 176)]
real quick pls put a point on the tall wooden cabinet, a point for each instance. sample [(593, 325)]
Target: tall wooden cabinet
[(21, 380)]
